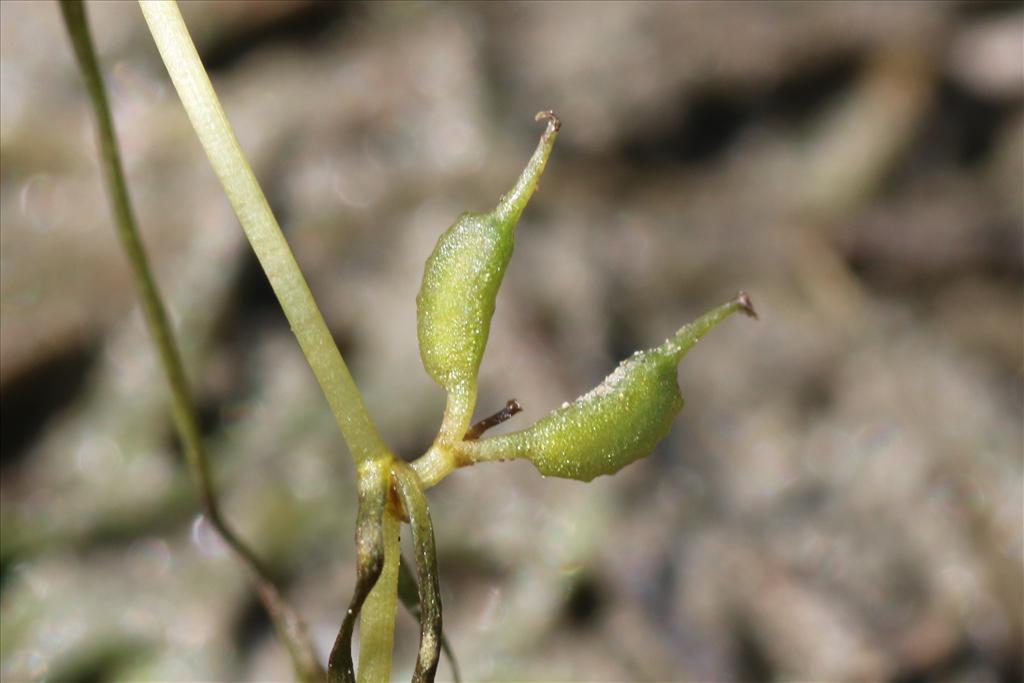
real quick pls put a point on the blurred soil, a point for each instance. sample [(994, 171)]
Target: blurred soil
[(841, 499)]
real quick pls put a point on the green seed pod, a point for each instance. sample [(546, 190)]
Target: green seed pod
[(616, 423), (460, 285)]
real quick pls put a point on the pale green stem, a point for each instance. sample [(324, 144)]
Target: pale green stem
[(458, 412), (415, 503), (374, 478), (498, 448), (377, 620), (229, 163), (434, 465), (286, 621), (442, 458)]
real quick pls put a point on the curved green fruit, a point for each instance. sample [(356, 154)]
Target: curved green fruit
[(456, 300), (616, 423), (460, 284)]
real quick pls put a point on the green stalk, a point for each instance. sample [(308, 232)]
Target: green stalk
[(415, 503), (229, 163), (374, 485), (377, 621), (289, 626)]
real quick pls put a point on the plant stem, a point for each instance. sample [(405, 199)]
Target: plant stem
[(415, 503), (409, 594), (377, 622), (229, 163), (374, 485), (289, 626), (438, 462)]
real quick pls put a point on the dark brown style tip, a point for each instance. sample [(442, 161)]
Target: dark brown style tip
[(554, 123), (744, 302), (476, 431)]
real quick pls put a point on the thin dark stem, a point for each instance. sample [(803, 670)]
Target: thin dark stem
[(503, 415), (409, 594), (289, 625)]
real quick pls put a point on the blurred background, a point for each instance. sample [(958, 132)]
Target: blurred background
[(840, 500)]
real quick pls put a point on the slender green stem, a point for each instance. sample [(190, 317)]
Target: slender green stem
[(444, 457), (377, 622), (458, 412), (289, 626), (415, 503), (438, 462), (374, 485), (229, 163)]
